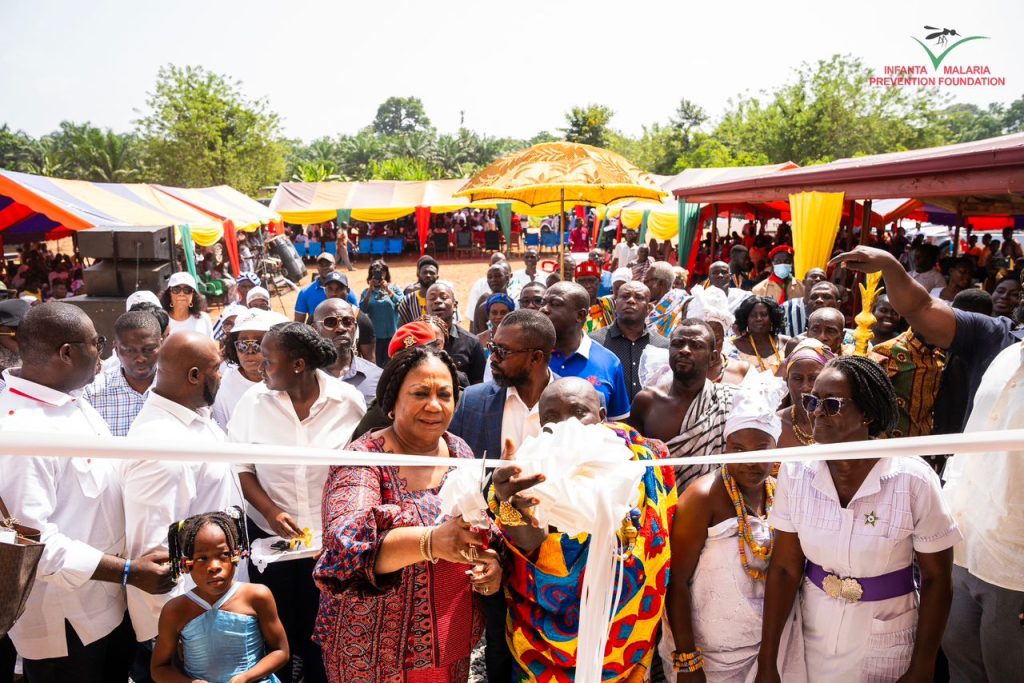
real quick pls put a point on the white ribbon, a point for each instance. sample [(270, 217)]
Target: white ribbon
[(31, 444)]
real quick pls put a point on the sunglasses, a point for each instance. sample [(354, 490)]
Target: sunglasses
[(181, 289), (537, 301), (503, 352), (247, 346), (332, 322), (830, 406), (100, 342)]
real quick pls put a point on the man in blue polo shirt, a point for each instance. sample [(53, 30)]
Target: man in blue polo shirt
[(313, 294), (566, 304)]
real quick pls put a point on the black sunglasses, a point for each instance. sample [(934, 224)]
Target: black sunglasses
[(181, 289), (830, 406), (503, 352)]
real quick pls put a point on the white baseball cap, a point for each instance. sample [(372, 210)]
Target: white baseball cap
[(257, 293), (182, 278), (142, 296), (623, 274), (256, 320)]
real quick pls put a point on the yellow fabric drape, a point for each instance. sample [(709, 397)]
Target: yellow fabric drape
[(816, 218), (206, 236)]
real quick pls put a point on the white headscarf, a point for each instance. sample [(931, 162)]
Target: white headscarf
[(755, 403)]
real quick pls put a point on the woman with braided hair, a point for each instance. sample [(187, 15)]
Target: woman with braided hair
[(847, 534), (397, 577), (226, 630), (297, 404), (760, 321)]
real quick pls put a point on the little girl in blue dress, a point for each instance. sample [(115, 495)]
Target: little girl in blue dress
[(221, 631)]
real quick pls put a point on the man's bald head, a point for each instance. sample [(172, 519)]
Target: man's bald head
[(497, 257), (570, 397), (573, 292), (333, 307), (59, 346), (47, 326), (827, 325), (188, 369)]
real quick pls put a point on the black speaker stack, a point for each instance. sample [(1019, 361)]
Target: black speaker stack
[(127, 259)]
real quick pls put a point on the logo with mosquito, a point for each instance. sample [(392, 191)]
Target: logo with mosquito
[(941, 37)]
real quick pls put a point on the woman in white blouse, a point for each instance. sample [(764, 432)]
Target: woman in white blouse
[(243, 360), (185, 306), (297, 405), (847, 533)]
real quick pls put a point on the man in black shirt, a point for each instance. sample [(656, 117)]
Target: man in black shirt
[(628, 336), (463, 347)]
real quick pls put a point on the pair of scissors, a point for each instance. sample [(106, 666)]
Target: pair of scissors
[(485, 532)]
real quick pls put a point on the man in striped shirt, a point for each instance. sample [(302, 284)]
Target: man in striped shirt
[(118, 394), (690, 415), (798, 309)]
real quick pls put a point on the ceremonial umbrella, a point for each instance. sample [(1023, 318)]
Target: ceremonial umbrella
[(548, 175)]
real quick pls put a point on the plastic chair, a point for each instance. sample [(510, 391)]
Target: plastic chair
[(492, 240), (549, 240), (439, 243), (394, 246), (314, 249), (363, 247), (378, 246), (463, 243), (532, 239)]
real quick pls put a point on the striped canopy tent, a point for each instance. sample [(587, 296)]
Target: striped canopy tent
[(376, 201), (236, 211), (37, 207)]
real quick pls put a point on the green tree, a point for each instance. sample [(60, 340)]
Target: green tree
[(401, 115), (18, 151), (202, 130), (358, 152), (967, 122), (401, 168), (314, 172), (588, 125), (1013, 117)]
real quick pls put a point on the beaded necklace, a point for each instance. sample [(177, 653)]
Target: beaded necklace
[(805, 438), (746, 535), (753, 345)]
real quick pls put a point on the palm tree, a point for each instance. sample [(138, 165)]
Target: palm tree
[(357, 153), (313, 172)]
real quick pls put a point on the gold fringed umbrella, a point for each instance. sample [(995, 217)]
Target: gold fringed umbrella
[(549, 175)]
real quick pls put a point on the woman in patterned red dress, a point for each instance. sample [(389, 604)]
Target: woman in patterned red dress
[(397, 601)]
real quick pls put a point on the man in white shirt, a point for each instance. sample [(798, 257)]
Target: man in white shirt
[(529, 274), (481, 286), (117, 394), (625, 251), (501, 411), (984, 637), (72, 627), (158, 493)]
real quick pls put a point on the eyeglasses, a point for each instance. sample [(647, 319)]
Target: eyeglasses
[(830, 407), (247, 346), (537, 301), (100, 342), (181, 289), (503, 352), (332, 322)]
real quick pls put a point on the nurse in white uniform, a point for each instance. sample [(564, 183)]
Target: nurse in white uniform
[(847, 533)]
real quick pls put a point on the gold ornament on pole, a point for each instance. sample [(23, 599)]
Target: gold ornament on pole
[(866, 319)]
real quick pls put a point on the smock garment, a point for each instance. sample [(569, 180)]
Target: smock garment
[(896, 511), (218, 645)]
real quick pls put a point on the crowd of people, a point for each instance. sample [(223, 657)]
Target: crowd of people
[(869, 569)]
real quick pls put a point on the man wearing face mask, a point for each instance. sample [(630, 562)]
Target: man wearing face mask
[(156, 493), (780, 285)]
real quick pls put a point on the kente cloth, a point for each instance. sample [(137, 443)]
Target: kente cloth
[(702, 431), (543, 589), (417, 624), (667, 313), (601, 314), (916, 373)]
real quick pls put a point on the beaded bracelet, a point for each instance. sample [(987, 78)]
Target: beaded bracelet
[(688, 662), (423, 543)]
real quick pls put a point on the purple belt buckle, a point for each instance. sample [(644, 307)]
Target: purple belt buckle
[(871, 589)]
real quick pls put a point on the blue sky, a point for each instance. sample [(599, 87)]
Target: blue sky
[(514, 68)]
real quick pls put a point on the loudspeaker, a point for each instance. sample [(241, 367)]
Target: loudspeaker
[(151, 244), (104, 311), (292, 265), (121, 277)]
